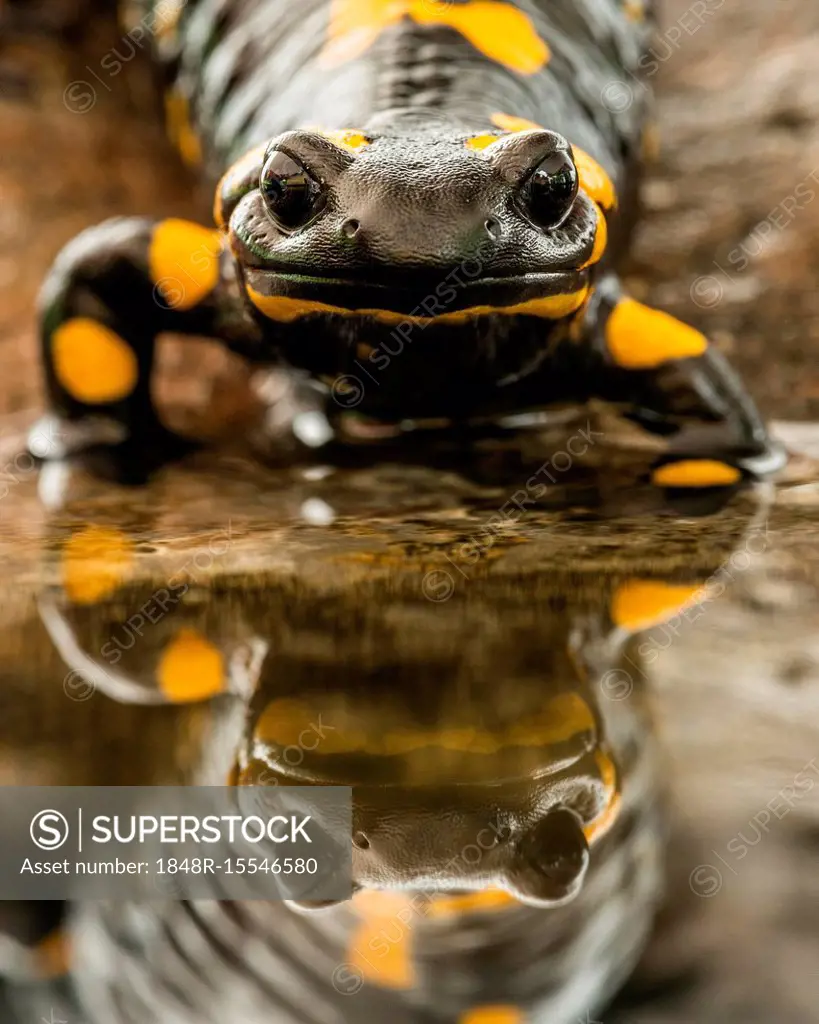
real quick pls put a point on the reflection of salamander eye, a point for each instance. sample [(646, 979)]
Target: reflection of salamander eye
[(550, 191), (290, 193)]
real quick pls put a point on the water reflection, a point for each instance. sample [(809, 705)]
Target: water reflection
[(481, 685)]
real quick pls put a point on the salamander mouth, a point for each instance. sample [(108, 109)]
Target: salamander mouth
[(287, 296)]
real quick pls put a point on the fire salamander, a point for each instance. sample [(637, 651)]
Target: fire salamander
[(420, 206)]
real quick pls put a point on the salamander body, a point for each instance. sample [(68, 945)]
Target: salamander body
[(420, 205)]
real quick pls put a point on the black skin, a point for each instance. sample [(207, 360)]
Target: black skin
[(461, 229)]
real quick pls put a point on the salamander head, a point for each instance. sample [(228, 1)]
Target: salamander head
[(433, 229)]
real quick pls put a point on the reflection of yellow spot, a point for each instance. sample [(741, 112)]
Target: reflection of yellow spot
[(180, 130), (594, 181), (601, 236), (92, 362), (639, 604), (380, 948), (166, 18), (492, 1015), (472, 902), (190, 669), (283, 722), (405, 741), (184, 261), (53, 955), (499, 30), (562, 718), (95, 561), (380, 904), (601, 824), (479, 142), (233, 177), (696, 473), (382, 959), (286, 310), (640, 338)]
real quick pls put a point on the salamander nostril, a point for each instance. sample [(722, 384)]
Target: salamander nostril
[(493, 228), (350, 228), (503, 834)]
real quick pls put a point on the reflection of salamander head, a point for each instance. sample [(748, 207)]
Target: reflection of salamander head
[(522, 837), (439, 226), (513, 806)]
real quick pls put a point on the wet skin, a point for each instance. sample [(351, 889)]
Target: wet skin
[(442, 252)]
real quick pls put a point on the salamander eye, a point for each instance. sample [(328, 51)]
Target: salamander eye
[(551, 189), (290, 193)]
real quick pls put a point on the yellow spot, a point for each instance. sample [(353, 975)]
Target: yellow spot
[(634, 10), (594, 181), (480, 142), (650, 146), (510, 123), (601, 237), (184, 262), (92, 362), (54, 955), (696, 473), (601, 824), (500, 1014), (180, 130), (498, 30), (347, 138), (640, 338), (473, 902), (190, 669), (640, 604), (380, 950), (95, 561), (356, 24), (234, 174), (286, 310)]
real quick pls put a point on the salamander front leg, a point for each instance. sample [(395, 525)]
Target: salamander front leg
[(111, 291), (673, 383)]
